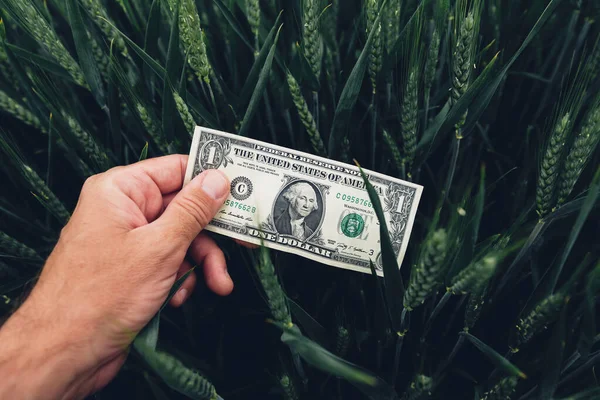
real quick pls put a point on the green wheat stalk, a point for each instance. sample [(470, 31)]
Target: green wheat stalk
[(409, 117), (192, 38), (503, 390), (311, 35), (376, 52), (96, 9), (544, 313), (393, 148), (276, 298), (253, 15), (550, 168), (419, 388), (305, 115), (15, 248), (474, 276), (288, 388), (391, 24), (583, 147), (12, 107), (151, 125), (93, 151), (30, 18), (184, 112), (45, 195), (427, 275)]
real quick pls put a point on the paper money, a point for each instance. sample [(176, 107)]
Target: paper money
[(301, 203)]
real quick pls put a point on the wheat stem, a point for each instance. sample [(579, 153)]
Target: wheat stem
[(101, 18), (474, 276), (312, 40), (550, 168), (376, 51), (503, 390), (583, 147), (94, 152), (192, 38), (409, 117), (543, 314), (305, 115), (45, 195), (427, 275), (419, 388), (184, 112), (275, 296), (15, 248), (253, 15), (30, 18)]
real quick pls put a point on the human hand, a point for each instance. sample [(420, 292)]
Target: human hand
[(111, 270)]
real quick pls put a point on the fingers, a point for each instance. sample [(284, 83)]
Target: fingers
[(206, 253), (194, 206), (167, 172), (246, 244), (186, 288), (144, 183)]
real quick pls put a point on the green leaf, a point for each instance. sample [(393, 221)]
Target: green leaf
[(144, 153), (479, 205), (83, 46), (322, 359), (381, 315), (588, 321), (553, 357), (259, 62), (151, 38), (148, 336), (114, 110), (175, 288), (394, 287), (314, 329), (160, 71), (350, 93), (172, 123), (234, 23), (41, 61), (590, 202), (479, 94), (174, 58), (495, 357), (259, 90), (176, 375)]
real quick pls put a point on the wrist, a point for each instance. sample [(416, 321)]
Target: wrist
[(39, 357)]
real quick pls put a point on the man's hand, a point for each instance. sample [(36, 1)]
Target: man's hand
[(109, 273)]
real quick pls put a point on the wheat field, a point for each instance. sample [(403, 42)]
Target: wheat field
[(493, 106)]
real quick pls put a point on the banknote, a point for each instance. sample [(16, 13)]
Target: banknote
[(303, 204)]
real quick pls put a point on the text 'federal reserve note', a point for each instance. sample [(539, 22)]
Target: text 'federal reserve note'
[(301, 203)]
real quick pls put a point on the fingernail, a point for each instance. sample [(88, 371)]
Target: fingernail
[(182, 295), (215, 184)]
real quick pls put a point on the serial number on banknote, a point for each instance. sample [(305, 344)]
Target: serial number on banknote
[(303, 204)]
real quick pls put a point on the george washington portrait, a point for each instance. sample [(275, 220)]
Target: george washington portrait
[(298, 210)]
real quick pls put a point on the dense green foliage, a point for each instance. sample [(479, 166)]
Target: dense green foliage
[(492, 105)]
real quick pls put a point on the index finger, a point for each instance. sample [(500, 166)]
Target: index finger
[(167, 172)]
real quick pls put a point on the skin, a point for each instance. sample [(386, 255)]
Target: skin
[(111, 270), (304, 203)]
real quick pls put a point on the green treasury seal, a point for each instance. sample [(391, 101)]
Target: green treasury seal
[(352, 225)]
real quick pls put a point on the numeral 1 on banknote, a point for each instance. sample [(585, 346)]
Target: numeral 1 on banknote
[(303, 204)]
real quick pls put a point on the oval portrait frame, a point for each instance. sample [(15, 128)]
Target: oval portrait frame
[(320, 202)]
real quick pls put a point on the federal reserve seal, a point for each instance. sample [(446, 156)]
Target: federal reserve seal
[(352, 225), (241, 188)]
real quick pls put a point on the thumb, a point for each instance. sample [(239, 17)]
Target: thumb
[(196, 204)]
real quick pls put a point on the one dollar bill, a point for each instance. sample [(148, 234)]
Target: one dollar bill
[(303, 204)]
